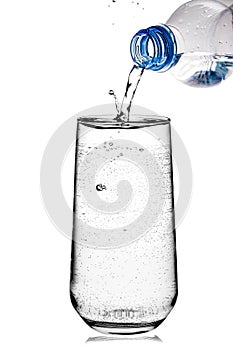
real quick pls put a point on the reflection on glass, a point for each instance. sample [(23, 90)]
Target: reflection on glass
[(99, 339)]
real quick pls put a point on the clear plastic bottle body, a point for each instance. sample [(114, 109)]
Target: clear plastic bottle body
[(206, 31), (203, 35)]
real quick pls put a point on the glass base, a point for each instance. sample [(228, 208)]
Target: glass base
[(123, 328)]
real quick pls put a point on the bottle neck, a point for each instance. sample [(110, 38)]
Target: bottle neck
[(154, 48)]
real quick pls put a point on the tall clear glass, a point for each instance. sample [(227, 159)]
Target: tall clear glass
[(123, 268)]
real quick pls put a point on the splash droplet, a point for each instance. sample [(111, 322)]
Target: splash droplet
[(112, 93)]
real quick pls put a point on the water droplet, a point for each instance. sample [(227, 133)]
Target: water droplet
[(110, 144), (100, 187), (112, 93), (220, 42)]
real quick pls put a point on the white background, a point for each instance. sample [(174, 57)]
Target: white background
[(59, 58)]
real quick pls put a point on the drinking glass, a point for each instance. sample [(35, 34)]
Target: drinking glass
[(123, 266)]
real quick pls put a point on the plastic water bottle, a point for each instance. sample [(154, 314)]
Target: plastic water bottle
[(196, 42)]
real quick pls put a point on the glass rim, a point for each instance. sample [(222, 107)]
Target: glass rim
[(103, 121)]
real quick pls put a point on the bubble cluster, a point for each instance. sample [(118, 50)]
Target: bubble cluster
[(100, 187), (121, 184)]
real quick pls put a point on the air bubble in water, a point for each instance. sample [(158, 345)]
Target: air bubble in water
[(100, 187)]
